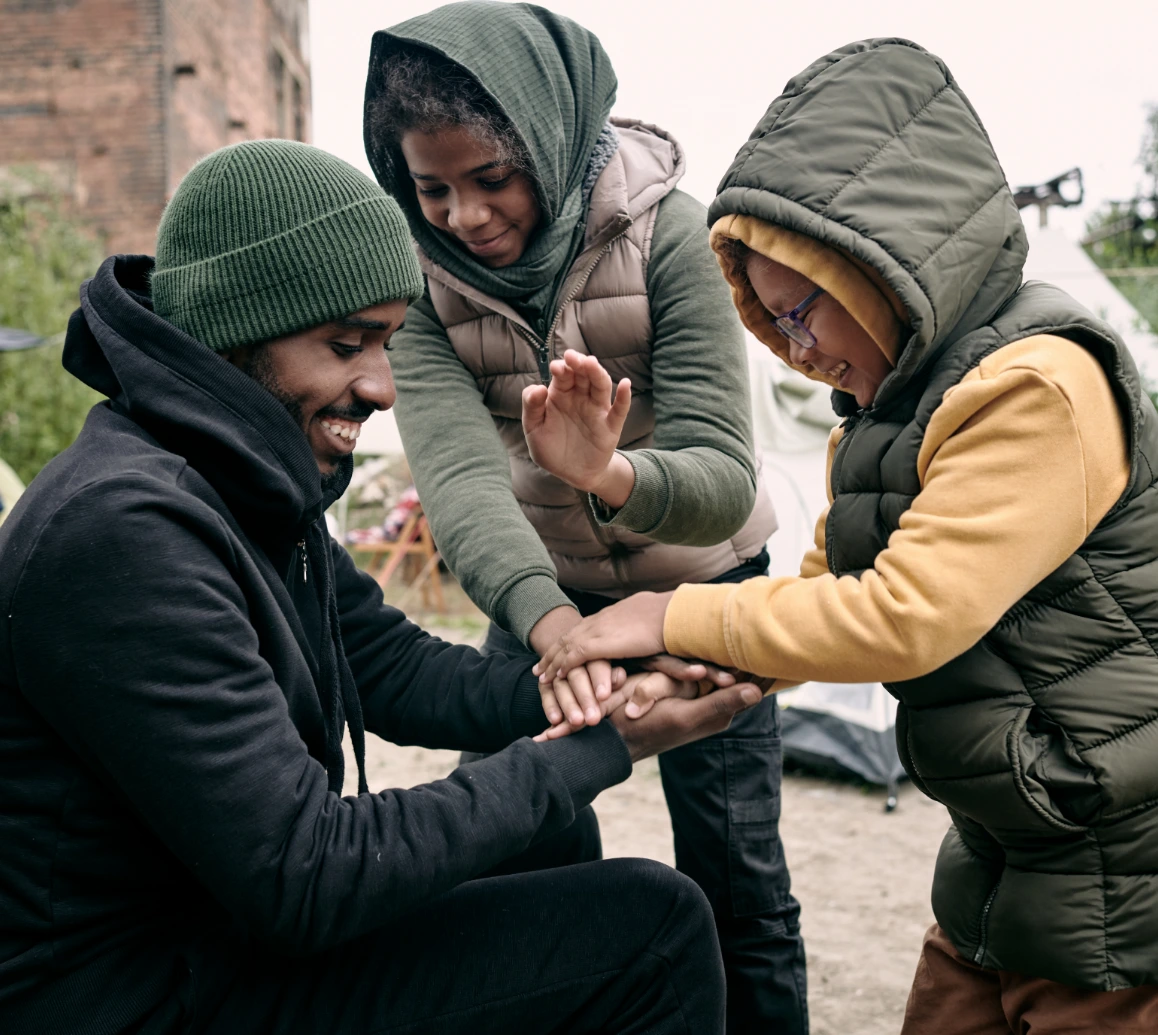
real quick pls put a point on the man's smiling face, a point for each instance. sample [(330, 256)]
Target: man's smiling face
[(330, 378)]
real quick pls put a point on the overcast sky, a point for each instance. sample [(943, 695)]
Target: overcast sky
[(1057, 84)]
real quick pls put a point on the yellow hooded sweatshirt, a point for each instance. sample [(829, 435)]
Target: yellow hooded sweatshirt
[(1022, 459)]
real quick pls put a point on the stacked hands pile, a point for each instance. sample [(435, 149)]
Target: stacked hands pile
[(573, 425)]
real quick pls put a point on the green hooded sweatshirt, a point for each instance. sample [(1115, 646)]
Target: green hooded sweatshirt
[(1042, 738), (553, 80)]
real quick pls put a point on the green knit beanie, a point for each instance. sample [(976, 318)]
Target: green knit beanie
[(269, 237)]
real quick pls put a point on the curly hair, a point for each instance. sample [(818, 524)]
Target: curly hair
[(424, 91)]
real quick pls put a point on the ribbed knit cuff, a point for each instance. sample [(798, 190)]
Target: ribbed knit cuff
[(519, 609), (694, 624), (650, 501), (590, 761), (527, 716)]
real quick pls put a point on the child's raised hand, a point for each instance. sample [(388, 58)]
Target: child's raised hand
[(573, 426)]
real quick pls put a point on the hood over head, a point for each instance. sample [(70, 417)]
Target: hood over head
[(874, 152), (240, 438), (554, 82)]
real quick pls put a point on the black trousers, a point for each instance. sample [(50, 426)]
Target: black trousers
[(723, 794), (623, 946)]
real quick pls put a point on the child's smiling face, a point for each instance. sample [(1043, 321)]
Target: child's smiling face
[(470, 192), (844, 349)]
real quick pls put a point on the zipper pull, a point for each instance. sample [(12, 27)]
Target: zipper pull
[(305, 570), (544, 364)]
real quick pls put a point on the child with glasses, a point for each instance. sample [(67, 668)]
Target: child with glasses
[(990, 551)]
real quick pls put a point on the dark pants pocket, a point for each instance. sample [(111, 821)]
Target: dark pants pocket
[(724, 797)]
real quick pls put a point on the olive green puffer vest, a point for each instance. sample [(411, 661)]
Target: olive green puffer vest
[(1042, 740), (605, 313)]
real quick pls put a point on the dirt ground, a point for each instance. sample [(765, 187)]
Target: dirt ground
[(862, 876)]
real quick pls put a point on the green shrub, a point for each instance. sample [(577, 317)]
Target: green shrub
[(45, 254)]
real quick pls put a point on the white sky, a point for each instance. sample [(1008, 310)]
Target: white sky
[(1057, 84)]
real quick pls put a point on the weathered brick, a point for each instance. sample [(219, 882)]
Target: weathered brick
[(116, 99)]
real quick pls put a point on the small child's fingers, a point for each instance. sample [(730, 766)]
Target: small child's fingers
[(562, 376), (651, 687), (550, 704), (580, 682), (567, 704), (655, 686), (600, 674), (622, 401), (676, 668), (719, 677), (534, 406), (600, 382), (583, 375), (638, 709), (618, 677), (560, 729)]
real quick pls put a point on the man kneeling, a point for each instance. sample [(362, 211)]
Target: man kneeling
[(182, 647)]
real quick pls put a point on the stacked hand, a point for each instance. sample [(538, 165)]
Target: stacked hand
[(676, 712), (658, 678), (633, 628), (573, 427)]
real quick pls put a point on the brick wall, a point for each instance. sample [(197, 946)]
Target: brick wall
[(237, 66), (81, 95), (114, 100)]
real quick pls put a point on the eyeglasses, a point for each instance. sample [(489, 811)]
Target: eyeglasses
[(791, 326)]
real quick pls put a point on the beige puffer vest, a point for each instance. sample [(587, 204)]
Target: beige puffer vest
[(604, 312)]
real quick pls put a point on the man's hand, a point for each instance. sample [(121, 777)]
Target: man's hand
[(573, 427), (677, 721), (631, 628), (575, 698)]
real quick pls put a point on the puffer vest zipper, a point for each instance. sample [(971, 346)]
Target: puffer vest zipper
[(1042, 740)]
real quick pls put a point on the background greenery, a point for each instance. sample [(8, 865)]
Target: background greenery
[(44, 255)]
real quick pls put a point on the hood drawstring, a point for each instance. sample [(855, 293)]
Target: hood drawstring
[(341, 704)]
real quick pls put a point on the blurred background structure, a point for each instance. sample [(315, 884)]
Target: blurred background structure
[(112, 101)]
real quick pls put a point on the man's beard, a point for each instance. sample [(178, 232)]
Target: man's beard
[(259, 366)]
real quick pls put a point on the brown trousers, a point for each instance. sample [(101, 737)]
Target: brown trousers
[(951, 996)]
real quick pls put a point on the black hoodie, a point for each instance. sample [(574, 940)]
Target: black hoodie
[(164, 707)]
